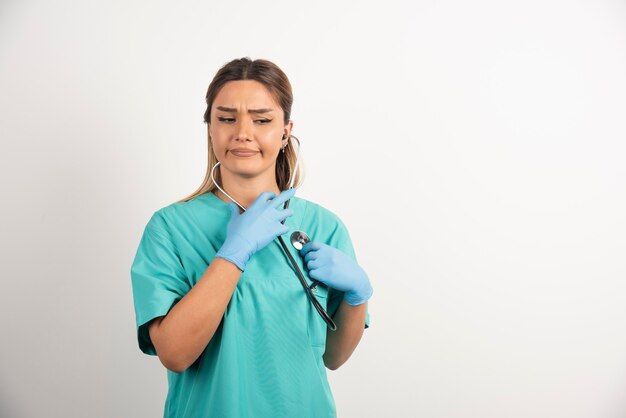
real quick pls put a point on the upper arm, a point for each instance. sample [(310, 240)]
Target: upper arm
[(154, 331), (153, 328), (158, 279)]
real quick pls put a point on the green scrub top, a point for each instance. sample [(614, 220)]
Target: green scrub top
[(265, 358)]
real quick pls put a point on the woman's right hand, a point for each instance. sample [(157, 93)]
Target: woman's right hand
[(252, 230)]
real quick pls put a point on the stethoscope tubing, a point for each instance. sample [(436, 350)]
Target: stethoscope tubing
[(329, 321)]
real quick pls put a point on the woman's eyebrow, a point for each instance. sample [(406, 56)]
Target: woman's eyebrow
[(233, 110)]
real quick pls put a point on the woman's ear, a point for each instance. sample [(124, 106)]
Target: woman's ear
[(286, 132)]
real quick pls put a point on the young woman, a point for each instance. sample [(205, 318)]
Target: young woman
[(215, 295)]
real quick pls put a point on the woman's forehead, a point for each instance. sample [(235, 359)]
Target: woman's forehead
[(248, 94)]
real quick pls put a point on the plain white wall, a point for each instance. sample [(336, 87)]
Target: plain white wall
[(475, 150)]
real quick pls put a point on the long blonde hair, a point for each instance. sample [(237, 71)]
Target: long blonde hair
[(276, 81)]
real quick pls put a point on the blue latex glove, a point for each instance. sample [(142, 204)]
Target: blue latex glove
[(252, 230), (336, 269)]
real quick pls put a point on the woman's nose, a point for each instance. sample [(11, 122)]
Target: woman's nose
[(243, 132)]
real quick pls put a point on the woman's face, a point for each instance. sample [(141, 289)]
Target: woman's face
[(246, 129)]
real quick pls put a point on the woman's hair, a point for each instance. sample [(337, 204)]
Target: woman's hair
[(275, 80)]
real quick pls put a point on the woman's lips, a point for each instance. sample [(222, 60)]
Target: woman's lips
[(243, 153)]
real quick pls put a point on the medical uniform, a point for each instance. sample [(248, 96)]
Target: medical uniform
[(265, 358)]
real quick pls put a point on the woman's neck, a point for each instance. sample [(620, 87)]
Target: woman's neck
[(245, 190)]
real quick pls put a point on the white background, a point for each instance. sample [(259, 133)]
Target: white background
[(475, 150)]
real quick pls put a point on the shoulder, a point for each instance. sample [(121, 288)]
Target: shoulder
[(323, 224), (174, 215), (319, 217), (315, 209)]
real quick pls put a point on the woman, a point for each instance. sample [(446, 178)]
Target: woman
[(215, 295)]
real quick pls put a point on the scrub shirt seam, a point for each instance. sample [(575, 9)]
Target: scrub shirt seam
[(210, 205), (306, 206), (325, 297), (193, 216), (163, 233)]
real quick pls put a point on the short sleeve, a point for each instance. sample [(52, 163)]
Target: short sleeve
[(340, 239), (158, 279)]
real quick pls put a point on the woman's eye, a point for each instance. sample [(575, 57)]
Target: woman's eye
[(260, 121)]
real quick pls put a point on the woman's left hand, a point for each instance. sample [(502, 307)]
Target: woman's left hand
[(336, 269)]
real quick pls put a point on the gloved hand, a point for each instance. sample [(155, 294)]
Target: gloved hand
[(337, 270), (252, 230)]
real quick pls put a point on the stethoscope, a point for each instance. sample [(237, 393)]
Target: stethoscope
[(298, 240)]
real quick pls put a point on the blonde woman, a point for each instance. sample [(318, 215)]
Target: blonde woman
[(215, 295)]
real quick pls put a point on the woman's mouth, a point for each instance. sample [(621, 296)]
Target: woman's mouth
[(240, 152)]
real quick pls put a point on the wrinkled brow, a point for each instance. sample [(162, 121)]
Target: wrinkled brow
[(233, 110)]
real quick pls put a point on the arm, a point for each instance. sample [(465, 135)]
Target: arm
[(341, 272), (180, 337), (340, 344)]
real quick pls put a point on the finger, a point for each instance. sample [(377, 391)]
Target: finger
[(310, 256), (262, 198), (284, 214), (324, 271), (312, 265), (283, 197), (283, 230), (310, 246), (315, 275)]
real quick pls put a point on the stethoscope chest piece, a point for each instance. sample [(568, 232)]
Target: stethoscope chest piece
[(299, 239)]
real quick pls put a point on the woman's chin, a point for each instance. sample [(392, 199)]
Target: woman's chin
[(245, 170)]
